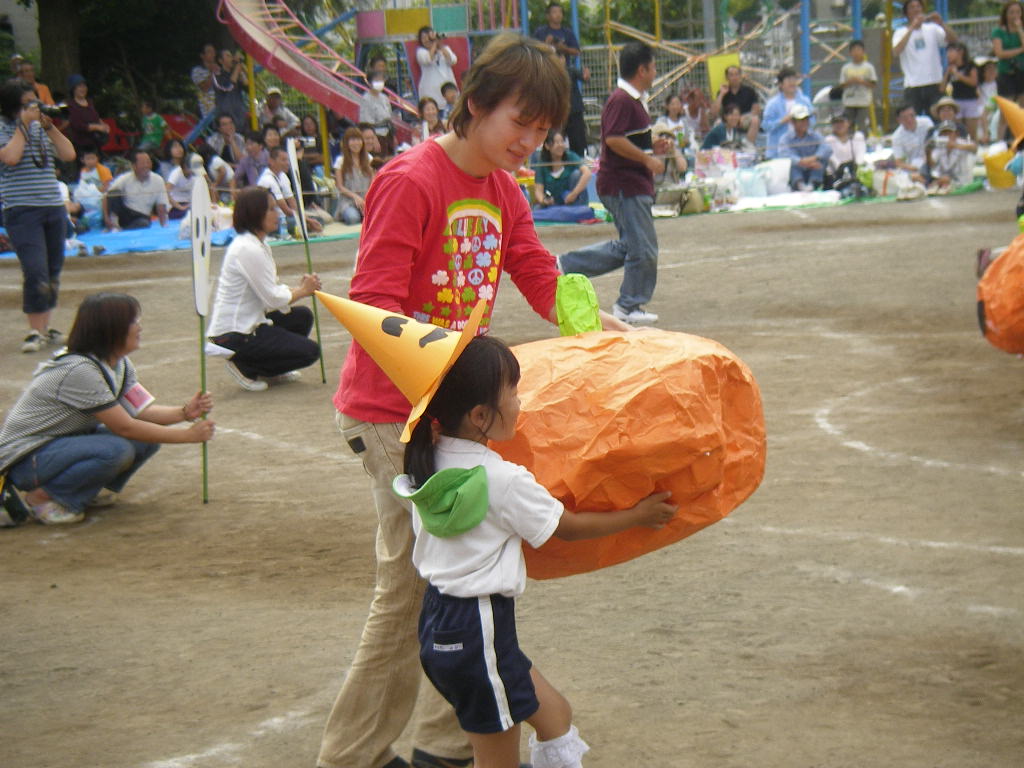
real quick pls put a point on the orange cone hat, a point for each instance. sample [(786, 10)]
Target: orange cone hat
[(414, 355), (1013, 114)]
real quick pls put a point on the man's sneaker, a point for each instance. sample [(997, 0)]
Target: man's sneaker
[(252, 385), (421, 759), (54, 338), (634, 316), (34, 342), (103, 499), (285, 378), (52, 513)]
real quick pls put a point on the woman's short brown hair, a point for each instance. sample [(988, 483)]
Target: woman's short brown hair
[(101, 324), (251, 207), (513, 65)]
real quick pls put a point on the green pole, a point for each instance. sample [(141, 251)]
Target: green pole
[(202, 389)]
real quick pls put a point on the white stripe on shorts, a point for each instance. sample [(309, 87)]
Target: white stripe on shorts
[(491, 659)]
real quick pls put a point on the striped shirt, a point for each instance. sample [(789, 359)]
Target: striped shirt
[(26, 183), (60, 401)]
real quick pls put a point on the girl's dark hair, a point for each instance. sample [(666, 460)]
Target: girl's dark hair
[(545, 151), (101, 324), (1004, 21), (519, 67), (184, 153), (483, 369), (10, 98), (958, 45), (784, 73), (669, 101), (251, 207)]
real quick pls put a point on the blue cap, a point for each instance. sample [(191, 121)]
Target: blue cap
[(74, 80)]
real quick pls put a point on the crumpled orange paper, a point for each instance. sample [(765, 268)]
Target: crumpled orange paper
[(609, 418), (1001, 299)]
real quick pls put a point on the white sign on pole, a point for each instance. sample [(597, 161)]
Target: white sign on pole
[(201, 214)]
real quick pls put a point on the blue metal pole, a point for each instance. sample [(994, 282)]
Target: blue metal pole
[(574, 18), (524, 17), (805, 46), (858, 21)]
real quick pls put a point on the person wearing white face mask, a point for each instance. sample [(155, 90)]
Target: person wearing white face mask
[(374, 106)]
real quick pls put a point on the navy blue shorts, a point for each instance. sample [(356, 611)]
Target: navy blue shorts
[(470, 652)]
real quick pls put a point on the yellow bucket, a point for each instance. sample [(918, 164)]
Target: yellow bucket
[(995, 167)]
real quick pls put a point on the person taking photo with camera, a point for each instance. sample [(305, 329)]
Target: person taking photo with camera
[(436, 60), (33, 212)]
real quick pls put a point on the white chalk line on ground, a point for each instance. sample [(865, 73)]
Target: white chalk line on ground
[(289, 447), (231, 750), (823, 417)]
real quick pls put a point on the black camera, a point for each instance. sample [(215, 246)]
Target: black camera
[(52, 111), (441, 35)]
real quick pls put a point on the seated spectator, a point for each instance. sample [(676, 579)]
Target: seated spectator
[(450, 93), (252, 316), (275, 180), (908, 143), (154, 128), (430, 121), (309, 134), (274, 108), (27, 74), (271, 137), (378, 70), (352, 176), (173, 157), (85, 424), (374, 105), (675, 161), (728, 133), (219, 174), (848, 150), (858, 79), (252, 165), (135, 196), (733, 91), (562, 176), (312, 204), (179, 187), (673, 121), (778, 110), (85, 128), (230, 86), (94, 171), (227, 142), (807, 150), (696, 112), (947, 110), (950, 165)]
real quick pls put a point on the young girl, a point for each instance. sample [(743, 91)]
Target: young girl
[(430, 120), (352, 175), (674, 122), (472, 511), (562, 176), (962, 78), (987, 131), (179, 180)]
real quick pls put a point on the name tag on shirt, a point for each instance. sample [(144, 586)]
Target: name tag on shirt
[(138, 397)]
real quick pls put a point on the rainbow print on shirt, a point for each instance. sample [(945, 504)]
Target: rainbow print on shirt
[(472, 248)]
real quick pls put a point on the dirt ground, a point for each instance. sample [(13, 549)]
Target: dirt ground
[(862, 608)]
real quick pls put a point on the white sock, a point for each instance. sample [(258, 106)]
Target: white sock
[(563, 752)]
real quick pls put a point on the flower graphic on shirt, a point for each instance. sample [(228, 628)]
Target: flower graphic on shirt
[(492, 274), (497, 258), (490, 242), (486, 292), (460, 280), (444, 311), (439, 278), (445, 296), (451, 245), (483, 259), (428, 306), (466, 246), (468, 294), (475, 276), (467, 263)]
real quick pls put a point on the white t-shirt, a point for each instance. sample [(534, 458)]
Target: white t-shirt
[(857, 95), (180, 186), (909, 145), (247, 288), (279, 184), (216, 163), (140, 195), (487, 559), (921, 60)]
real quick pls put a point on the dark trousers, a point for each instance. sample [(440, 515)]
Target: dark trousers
[(576, 132), (922, 97), (37, 234), (281, 346), (127, 218)]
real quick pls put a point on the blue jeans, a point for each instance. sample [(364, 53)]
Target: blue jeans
[(636, 250), (798, 173), (72, 470), (37, 234)]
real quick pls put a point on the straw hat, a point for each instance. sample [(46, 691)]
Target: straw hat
[(945, 101), (414, 355)]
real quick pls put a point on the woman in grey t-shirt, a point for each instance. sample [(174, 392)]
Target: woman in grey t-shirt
[(85, 423)]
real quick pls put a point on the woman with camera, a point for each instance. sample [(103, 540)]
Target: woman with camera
[(436, 61), (33, 213)]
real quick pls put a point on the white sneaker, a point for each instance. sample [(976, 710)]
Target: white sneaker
[(34, 342), (285, 378), (54, 338), (52, 513), (634, 317), (102, 500), (252, 385)]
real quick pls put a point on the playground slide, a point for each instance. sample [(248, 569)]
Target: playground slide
[(269, 32)]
